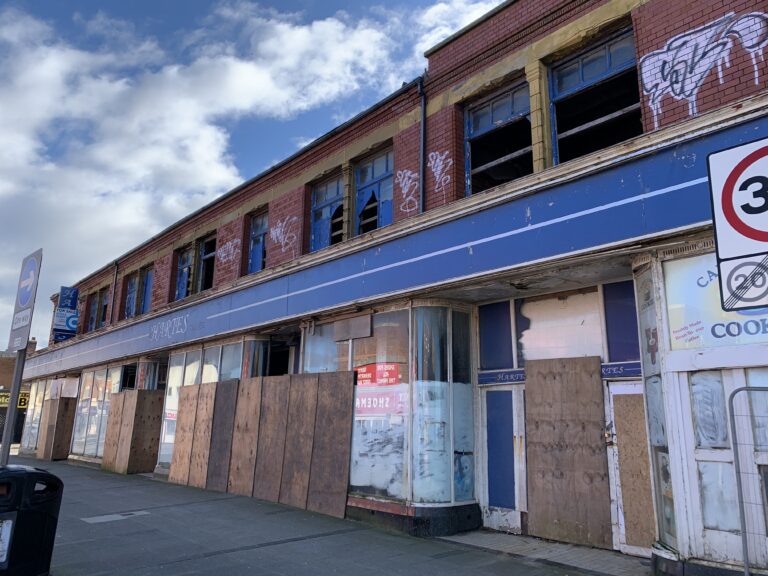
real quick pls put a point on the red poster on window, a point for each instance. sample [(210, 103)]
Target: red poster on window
[(378, 374)]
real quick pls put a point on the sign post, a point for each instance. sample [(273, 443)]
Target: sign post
[(20, 327), (738, 179)]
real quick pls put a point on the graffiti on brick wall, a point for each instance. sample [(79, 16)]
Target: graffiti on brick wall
[(409, 185), (284, 234), (229, 251), (680, 68), (440, 163)]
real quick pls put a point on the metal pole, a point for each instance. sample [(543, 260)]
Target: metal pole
[(10, 418), (737, 466)]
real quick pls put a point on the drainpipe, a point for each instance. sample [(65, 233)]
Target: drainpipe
[(422, 143), (114, 293)]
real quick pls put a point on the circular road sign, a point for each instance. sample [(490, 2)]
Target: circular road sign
[(27, 282), (745, 196)]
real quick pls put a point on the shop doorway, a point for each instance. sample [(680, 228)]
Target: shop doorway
[(568, 484)]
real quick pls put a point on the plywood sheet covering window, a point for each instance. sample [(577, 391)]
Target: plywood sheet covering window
[(185, 430), (302, 406), (245, 437), (634, 469), (222, 435), (568, 487), (272, 424), (201, 439)]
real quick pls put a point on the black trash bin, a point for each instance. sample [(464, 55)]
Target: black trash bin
[(30, 499)]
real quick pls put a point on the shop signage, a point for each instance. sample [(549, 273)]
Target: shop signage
[(5, 396), (66, 316), (696, 317), (738, 180), (609, 371), (378, 374), (392, 400)]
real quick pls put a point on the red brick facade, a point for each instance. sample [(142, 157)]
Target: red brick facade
[(286, 239), (731, 67), (726, 68)]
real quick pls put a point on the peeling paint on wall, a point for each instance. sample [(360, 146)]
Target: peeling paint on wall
[(680, 68)]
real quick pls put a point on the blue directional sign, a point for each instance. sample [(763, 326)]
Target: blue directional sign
[(25, 301)]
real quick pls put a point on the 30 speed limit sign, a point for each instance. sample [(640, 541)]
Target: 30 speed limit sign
[(738, 179)]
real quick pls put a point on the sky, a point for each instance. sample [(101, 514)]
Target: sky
[(119, 118)]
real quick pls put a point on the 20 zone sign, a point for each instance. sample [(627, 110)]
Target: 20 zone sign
[(738, 179)]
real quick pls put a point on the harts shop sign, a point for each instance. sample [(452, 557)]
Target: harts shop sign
[(696, 319)]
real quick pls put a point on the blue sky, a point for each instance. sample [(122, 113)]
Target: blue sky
[(118, 118)]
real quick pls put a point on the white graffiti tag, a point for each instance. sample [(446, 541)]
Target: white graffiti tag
[(439, 163), (283, 234), (680, 68), (229, 251), (409, 185)]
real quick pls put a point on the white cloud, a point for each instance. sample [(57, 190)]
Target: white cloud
[(104, 146)]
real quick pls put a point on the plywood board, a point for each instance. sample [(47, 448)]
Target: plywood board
[(245, 437), (128, 400), (112, 437), (221, 435), (47, 429), (634, 469), (329, 473), (271, 446), (65, 423), (147, 424), (302, 406), (567, 464), (201, 443), (185, 430)]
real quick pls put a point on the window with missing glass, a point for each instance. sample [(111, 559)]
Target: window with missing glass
[(138, 292), (373, 182), (498, 140), (206, 249), (327, 213), (595, 100), (185, 259), (257, 244)]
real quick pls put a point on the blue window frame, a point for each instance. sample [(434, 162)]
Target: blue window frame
[(327, 226), (595, 101), (93, 307), (138, 292), (498, 140), (373, 182), (184, 268), (257, 247), (206, 262)]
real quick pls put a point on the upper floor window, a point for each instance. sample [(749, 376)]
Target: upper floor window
[(373, 182), (498, 140), (206, 249), (595, 99), (194, 267), (257, 247), (327, 213), (138, 292), (98, 303)]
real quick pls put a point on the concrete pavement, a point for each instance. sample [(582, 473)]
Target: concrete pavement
[(113, 524)]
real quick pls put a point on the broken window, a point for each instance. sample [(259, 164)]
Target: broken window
[(138, 292), (373, 182), (257, 250), (498, 140), (595, 99), (185, 258), (327, 213), (206, 262)]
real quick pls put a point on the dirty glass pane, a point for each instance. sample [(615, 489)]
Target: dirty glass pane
[(170, 411), (759, 406), (481, 118), (665, 496), (431, 342), (463, 412), (211, 364), (381, 407), (708, 404), (192, 368), (594, 65), (719, 504), (81, 417), (432, 442), (522, 100), (502, 109), (567, 77), (25, 435), (231, 361), (655, 402), (322, 353), (622, 51)]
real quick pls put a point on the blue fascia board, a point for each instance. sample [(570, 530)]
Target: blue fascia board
[(654, 195)]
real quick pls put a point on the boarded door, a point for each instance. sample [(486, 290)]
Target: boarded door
[(568, 485)]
